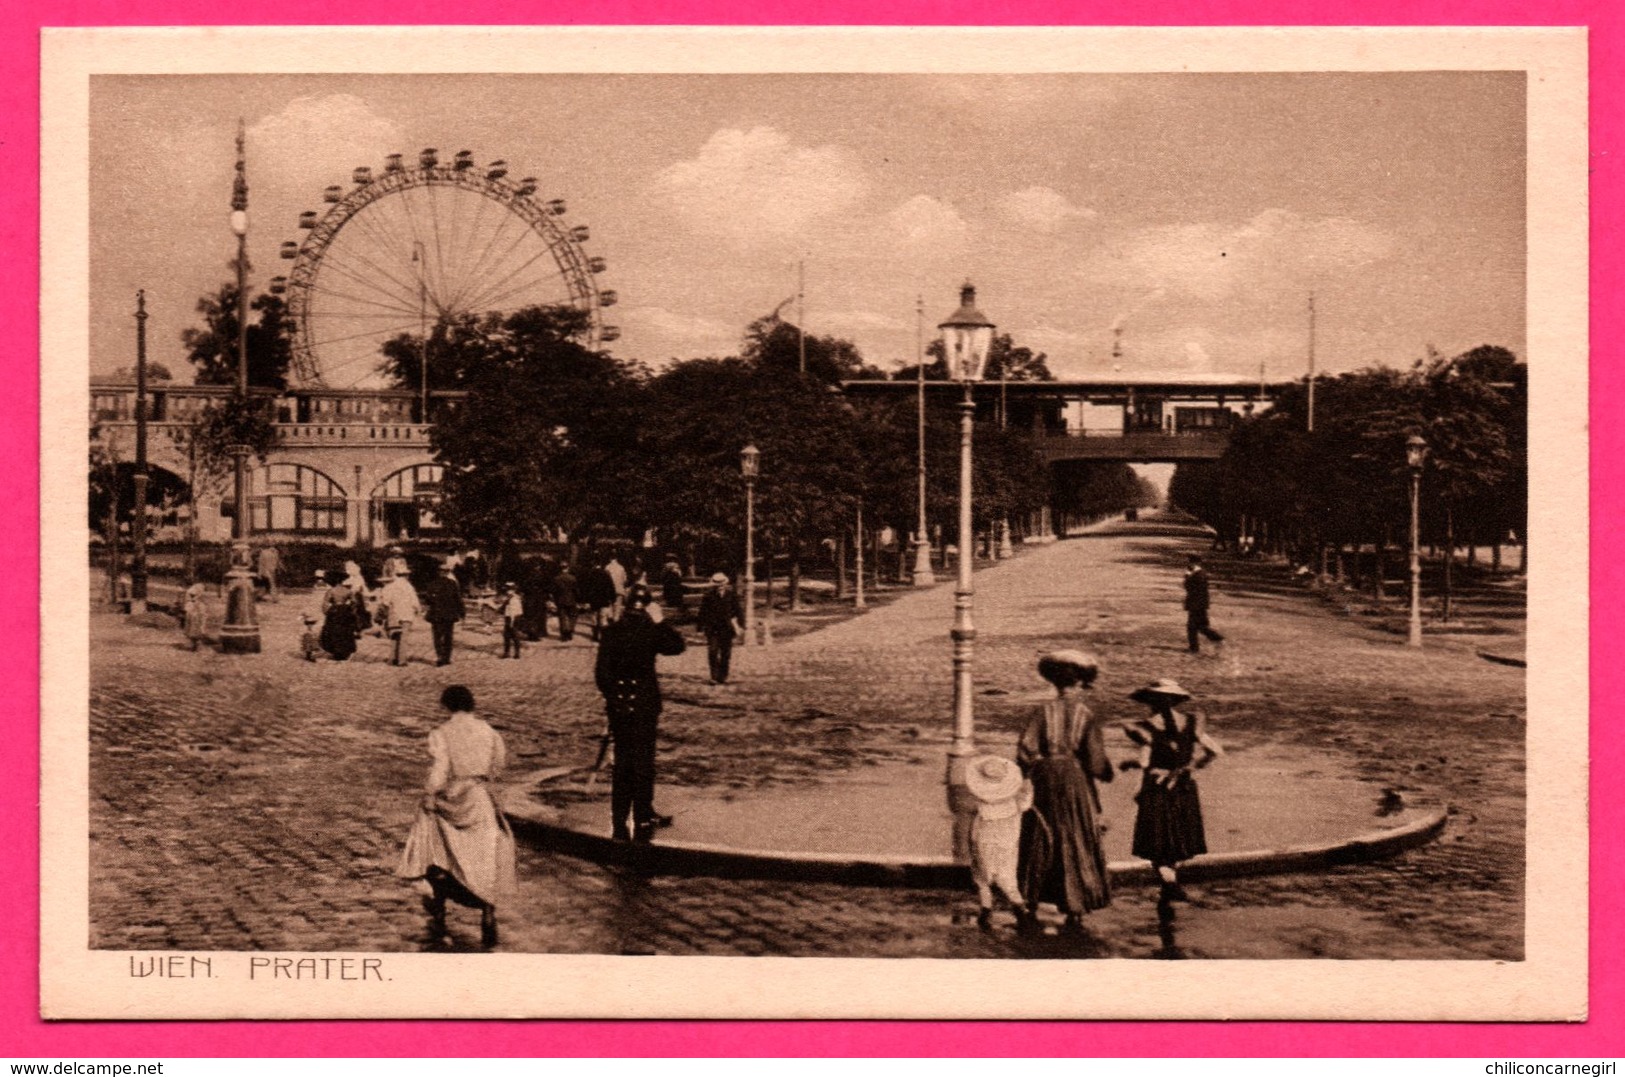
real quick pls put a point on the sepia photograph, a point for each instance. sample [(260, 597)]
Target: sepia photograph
[(746, 497)]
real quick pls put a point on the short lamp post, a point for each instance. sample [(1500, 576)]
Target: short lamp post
[(1416, 454), (967, 336), (750, 467), (240, 634)]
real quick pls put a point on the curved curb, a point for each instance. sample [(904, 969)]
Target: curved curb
[(941, 872)]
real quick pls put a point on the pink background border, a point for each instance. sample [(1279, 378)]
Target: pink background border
[(22, 1034)]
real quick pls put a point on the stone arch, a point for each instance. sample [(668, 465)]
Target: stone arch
[(286, 497), (403, 503)]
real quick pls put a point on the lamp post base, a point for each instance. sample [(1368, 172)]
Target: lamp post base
[(240, 634), (923, 574), (961, 803)]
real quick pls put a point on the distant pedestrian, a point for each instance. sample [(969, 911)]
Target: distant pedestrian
[(395, 565), (510, 606), (1064, 755), (266, 563), (398, 608), (1168, 829), (310, 640), (443, 608), (460, 843), (357, 583), (564, 601), (597, 593), (195, 614), (720, 618), (625, 673), (1002, 797), (617, 576), (1197, 600), (339, 629), (671, 587)]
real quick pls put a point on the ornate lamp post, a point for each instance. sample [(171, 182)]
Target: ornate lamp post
[(240, 634), (750, 467), (923, 576), (966, 337), (1416, 454), (138, 523)]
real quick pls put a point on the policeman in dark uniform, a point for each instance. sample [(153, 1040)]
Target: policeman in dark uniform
[(626, 676)]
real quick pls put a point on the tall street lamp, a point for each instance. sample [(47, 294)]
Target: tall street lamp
[(923, 576), (138, 526), (750, 466), (240, 634), (1416, 454), (966, 337)]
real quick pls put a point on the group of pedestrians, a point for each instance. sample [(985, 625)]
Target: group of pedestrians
[(343, 609), (1036, 837)]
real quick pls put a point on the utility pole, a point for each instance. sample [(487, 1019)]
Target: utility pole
[(1311, 362), (923, 576), (801, 312)]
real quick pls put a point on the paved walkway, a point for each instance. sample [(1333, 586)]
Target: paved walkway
[(260, 801)]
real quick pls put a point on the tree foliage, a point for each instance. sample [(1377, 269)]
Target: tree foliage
[(212, 350)]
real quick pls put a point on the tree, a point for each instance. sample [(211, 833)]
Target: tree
[(1017, 362), (212, 350), (546, 439), (155, 372), (461, 346), (777, 345)]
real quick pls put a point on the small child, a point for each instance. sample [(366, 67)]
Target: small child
[(1002, 798), (195, 614), (512, 607), (310, 644)]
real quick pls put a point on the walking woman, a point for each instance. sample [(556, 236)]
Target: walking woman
[(338, 621), (1063, 755), (460, 843), (1173, 745)]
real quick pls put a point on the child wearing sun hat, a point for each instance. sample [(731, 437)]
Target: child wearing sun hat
[(1002, 797)]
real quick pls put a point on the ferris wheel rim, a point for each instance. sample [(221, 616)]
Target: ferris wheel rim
[(569, 256)]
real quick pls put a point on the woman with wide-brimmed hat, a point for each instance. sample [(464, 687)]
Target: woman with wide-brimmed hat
[(1063, 754), (1168, 829)]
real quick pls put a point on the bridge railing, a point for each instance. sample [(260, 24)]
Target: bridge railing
[(343, 434)]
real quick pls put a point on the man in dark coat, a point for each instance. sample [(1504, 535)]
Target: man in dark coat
[(597, 592), (626, 676), (1196, 605), (565, 600), (721, 619), (671, 587), (443, 608)]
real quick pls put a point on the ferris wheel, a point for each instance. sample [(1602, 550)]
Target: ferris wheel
[(407, 249)]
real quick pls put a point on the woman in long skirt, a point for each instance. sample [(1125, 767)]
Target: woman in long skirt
[(1168, 829), (1063, 756), (338, 622), (460, 843)]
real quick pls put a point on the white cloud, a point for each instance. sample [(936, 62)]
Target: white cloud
[(1274, 250), (316, 141), (756, 187), (656, 333), (925, 223), (1041, 209), (858, 321)]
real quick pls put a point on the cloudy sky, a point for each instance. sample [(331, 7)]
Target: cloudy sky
[(1194, 212)]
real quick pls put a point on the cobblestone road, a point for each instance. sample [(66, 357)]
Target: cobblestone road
[(259, 802)]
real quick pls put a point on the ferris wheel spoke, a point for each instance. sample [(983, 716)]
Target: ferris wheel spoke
[(407, 288), (465, 269), (322, 291), (329, 342), (418, 245), (460, 300), (496, 287), (397, 249), (497, 302), (439, 250)]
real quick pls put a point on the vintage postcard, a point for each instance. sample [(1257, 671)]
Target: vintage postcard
[(814, 523)]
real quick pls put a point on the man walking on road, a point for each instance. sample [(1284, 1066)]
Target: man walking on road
[(1196, 606), (564, 600), (443, 605), (398, 608), (720, 618), (626, 676)]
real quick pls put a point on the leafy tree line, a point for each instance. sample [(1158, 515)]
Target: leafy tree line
[(1314, 496)]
